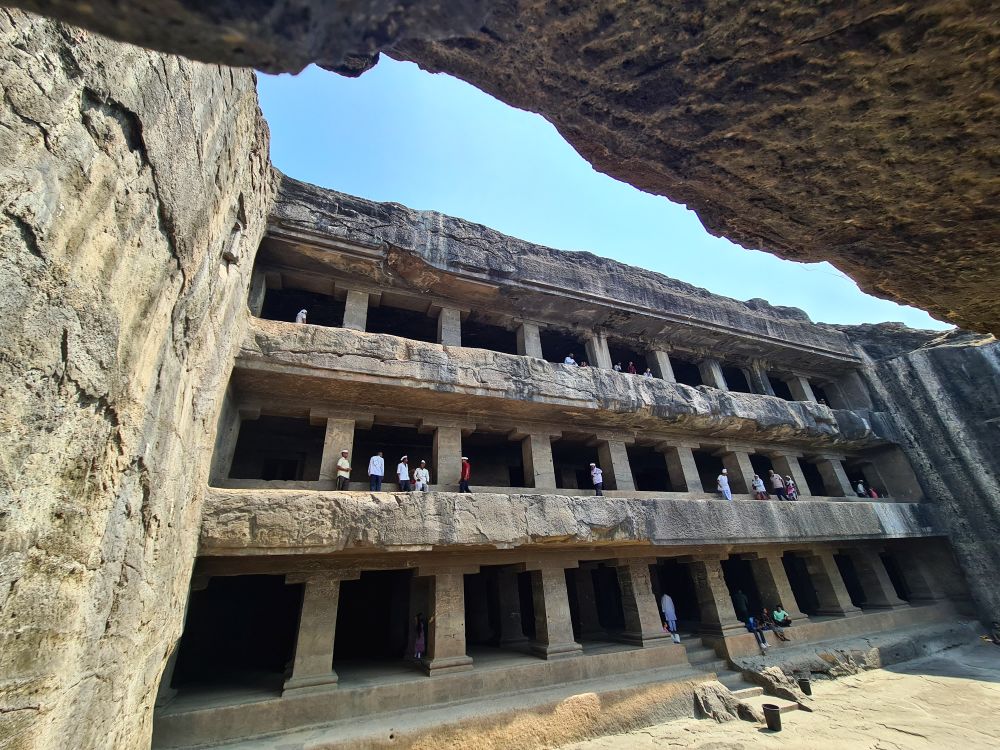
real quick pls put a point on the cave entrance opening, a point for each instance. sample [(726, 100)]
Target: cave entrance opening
[(622, 353), (674, 578), (649, 469), (736, 379), (686, 371), (395, 441), (558, 344), (709, 467), (800, 581), (739, 577), (406, 322), (497, 461), (285, 303), (479, 334), (273, 448), (571, 459)]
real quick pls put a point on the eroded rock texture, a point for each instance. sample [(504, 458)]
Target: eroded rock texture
[(945, 396), (861, 134), (122, 175)]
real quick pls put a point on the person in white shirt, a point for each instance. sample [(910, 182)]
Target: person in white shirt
[(670, 616), (648, 373), (300, 316), (777, 484), (570, 360), (722, 485), (376, 470), (403, 473), (343, 470), (860, 489), (597, 476), (421, 477)]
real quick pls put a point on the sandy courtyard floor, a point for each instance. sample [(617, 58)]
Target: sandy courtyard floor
[(949, 701)]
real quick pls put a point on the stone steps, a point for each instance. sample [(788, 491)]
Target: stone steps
[(784, 706)]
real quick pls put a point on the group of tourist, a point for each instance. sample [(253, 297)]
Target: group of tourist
[(420, 482), (570, 360), (774, 620), (863, 491), (784, 488)]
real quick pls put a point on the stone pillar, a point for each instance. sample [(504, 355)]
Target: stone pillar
[(711, 374), (509, 600), (258, 290), (446, 621), (772, 583), (920, 579), (450, 326), (759, 381), (800, 388), (586, 599), (447, 455), (312, 666), (829, 585), (536, 452), (165, 691), (659, 363), (613, 458), (227, 433), (553, 621), (714, 602), (835, 480), (356, 310), (681, 467), (875, 581), (339, 435), (739, 468), (598, 354), (787, 464), (529, 340), (854, 391), (643, 626)]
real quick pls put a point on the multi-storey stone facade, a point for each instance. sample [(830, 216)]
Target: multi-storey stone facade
[(434, 338)]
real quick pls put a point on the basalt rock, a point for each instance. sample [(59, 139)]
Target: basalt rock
[(714, 700), (860, 135)]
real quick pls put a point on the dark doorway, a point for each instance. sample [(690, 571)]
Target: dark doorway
[(820, 394), (482, 609), (498, 461), (781, 389), (284, 304), (278, 448), (240, 631), (739, 577), (896, 576), (851, 580), (408, 324), (394, 442), (736, 380), (761, 466), (556, 345), (481, 335), (608, 594), (649, 469), (813, 478), (801, 583), (571, 460), (674, 578), (373, 616), (709, 468), (686, 372), (622, 353)]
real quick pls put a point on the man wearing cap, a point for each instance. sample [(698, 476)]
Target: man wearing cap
[(722, 485), (403, 473), (465, 476), (376, 470), (343, 470), (597, 476), (421, 477)]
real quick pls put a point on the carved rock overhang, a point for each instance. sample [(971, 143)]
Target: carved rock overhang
[(864, 135)]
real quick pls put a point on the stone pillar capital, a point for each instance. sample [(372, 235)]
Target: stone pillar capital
[(324, 577)]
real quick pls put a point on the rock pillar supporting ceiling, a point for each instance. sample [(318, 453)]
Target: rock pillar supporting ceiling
[(862, 134)]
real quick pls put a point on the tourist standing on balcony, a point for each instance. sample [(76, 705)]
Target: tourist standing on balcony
[(343, 470), (403, 473), (670, 616), (421, 477), (791, 489), (300, 316), (648, 373), (597, 477), (777, 485), (759, 491), (570, 360), (618, 366), (860, 489), (631, 368), (465, 476), (376, 470), (722, 485)]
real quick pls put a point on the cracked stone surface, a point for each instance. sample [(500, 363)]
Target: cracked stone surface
[(862, 134), (122, 173)]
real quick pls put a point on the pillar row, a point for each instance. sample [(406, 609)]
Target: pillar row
[(874, 578), (659, 363), (643, 626), (356, 310), (553, 621), (312, 666), (681, 467), (714, 603), (529, 340), (831, 592)]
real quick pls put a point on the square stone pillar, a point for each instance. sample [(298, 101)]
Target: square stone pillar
[(447, 451), (356, 310), (875, 581), (920, 579), (772, 583), (553, 621), (446, 620), (312, 667), (536, 452), (714, 602), (711, 374), (258, 290), (829, 585), (529, 340), (586, 599), (613, 458), (787, 464), (835, 480), (739, 468), (759, 381), (450, 326), (643, 626), (659, 363), (598, 354), (800, 388), (509, 602), (339, 435), (681, 467)]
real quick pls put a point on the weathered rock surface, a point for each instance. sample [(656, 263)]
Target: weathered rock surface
[(945, 398), (713, 700), (270, 521), (122, 174), (861, 135)]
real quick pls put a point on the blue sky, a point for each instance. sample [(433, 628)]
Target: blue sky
[(434, 142)]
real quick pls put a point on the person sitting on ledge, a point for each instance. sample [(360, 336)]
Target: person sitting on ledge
[(758, 631), (570, 360), (780, 616), (769, 624)]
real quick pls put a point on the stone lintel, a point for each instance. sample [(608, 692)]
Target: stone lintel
[(546, 564), (618, 562), (435, 308), (363, 420), (520, 432), (612, 436), (780, 452), (816, 458), (665, 444), (447, 568), (339, 574), (429, 424), (734, 448)]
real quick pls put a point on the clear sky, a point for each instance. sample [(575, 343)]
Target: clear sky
[(434, 142)]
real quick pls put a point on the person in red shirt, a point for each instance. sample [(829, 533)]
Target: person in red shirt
[(465, 476)]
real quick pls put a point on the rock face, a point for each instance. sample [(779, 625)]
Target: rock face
[(946, 400), (859, 135), (122, 176)]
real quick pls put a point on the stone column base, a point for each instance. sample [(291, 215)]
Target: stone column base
[(551, 651), (310, 684), (846, 612), (646, 640), (447, 664)]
